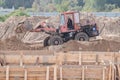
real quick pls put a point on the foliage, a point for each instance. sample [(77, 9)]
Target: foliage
[(18, 12), (1, 2), (94, 5), (63, 5), (109, 7), (18, 3), (116, 10)]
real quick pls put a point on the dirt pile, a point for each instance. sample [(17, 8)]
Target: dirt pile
[(15, 44), (7, 29), (98, 45)]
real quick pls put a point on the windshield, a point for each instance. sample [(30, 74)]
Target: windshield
[(62, 20), (76, 18)]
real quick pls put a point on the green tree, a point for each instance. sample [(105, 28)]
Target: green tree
[(58, 1), (94, 5), (114, 2), (64, 6), (18, 3), (1, 2), (80, 2)]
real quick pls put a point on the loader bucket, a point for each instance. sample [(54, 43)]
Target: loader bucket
[(23, 27)]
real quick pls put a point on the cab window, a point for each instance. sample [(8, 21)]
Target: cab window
[(62, 20), (76, 17)]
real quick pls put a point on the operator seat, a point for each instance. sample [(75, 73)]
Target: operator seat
[(70, 24)]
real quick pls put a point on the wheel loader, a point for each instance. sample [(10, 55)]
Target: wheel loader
[(69, 29)]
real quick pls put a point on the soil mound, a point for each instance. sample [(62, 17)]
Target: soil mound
[(98, 45), (15, 44)]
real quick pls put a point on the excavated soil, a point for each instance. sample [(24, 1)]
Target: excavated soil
[(96, 45), (15, 44)]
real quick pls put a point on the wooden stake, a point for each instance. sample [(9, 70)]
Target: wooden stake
[(97, 59), (25, 74), (55, 72), (21, 59), (80, 59), (103, 73), (83, 73), (61, 76), (110, 71), (47, 73), (118, 70), (115, 72), (7, 73)]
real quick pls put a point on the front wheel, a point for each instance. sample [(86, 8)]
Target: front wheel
[(46, 41), (55, 40), (81, 36)]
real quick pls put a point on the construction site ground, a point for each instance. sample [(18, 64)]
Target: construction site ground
[(108, 40), (93, 45), (27, 47)]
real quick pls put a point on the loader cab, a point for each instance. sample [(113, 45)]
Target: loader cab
[(69, 21)]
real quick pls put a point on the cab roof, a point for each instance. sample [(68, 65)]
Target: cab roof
[(69, 12)]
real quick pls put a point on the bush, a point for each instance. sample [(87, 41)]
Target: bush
[(109, 7), (14, 13), (2, 18), (18, 13), (116, 10)]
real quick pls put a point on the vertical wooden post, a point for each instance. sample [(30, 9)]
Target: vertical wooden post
[(55, 72), (25, 74), (80, 58), (83, 73), (47, 73), (61, 74), (7, 73), (110, 71), (103, 73), (115, 57), (119, 69), (115, 75), (65, 59), (113, 71), (21, 59), (97, 59)]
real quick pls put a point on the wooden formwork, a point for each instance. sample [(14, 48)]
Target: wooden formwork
[(84, 58), (64, 72), (25, 65), (76, 57)]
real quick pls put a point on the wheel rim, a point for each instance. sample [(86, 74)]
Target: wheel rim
[(56, 42), (81, 39)]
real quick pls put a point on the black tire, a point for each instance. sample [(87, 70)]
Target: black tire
[(81, 36), (55, 40), (46, 41)]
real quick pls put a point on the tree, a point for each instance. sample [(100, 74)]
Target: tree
[(18, 3), (64, 6), (94, 5), (1, 2), (80, 2), (58, 1)]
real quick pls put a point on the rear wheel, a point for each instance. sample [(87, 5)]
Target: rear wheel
[(46, 41), (55, 40), (81, 36)]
